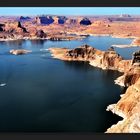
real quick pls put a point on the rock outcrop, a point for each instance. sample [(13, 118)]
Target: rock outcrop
[(103, 59), (41, 34), (62, 19), (19, 51), (136, 42), (83, 53), (24, 18), (132, 74), (72, 21), (45, 20), (15, 27), (128, 107), (85, 21), (23, 28), (110, 59), (1, 27), (78, 25)]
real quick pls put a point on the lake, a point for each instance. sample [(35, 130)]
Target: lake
[(50, 95)]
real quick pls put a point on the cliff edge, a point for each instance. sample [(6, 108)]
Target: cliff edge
[(128, 107)]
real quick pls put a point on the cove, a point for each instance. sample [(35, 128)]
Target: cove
[(45, 94)]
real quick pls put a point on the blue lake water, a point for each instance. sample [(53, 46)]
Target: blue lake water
[(45, 94)]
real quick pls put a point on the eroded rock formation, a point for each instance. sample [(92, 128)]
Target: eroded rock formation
[(22, 18), (85, 21), (83, 53), (41, 34), (15, 27), (104, 59), (128, 107), (62, 19), (1, 27), (19, 51), (46, 20), (68, 25), (136, 42), (132, 74), (23, 28)]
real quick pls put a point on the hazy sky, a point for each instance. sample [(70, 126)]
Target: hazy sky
[(68, 10)]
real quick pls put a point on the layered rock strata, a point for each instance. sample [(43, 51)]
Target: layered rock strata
[(103, 59), (128, 107)]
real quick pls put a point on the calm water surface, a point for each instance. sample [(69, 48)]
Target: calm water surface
[(45, 94)]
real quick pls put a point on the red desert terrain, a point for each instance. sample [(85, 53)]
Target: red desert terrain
[(62, 28)]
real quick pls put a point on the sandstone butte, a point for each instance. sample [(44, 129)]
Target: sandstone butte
[(61, 27), (128, 106)]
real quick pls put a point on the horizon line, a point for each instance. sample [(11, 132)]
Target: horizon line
[(70, 15)]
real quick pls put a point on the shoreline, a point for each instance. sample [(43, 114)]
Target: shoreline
[(128, 71), (127, 108), (125, 46), (96, 63), (80, 35)]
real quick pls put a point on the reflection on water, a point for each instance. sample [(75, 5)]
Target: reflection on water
[(38, 42), (17, 43), (46, 94), (6, 71), (77, 65)]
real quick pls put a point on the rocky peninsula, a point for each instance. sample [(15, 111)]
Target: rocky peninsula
[(103, 59), (128, 106)]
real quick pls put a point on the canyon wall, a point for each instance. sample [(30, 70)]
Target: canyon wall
[(108, 59), (62, 25), (128, 107)]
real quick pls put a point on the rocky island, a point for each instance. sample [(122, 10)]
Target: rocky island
[(19, 51)]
